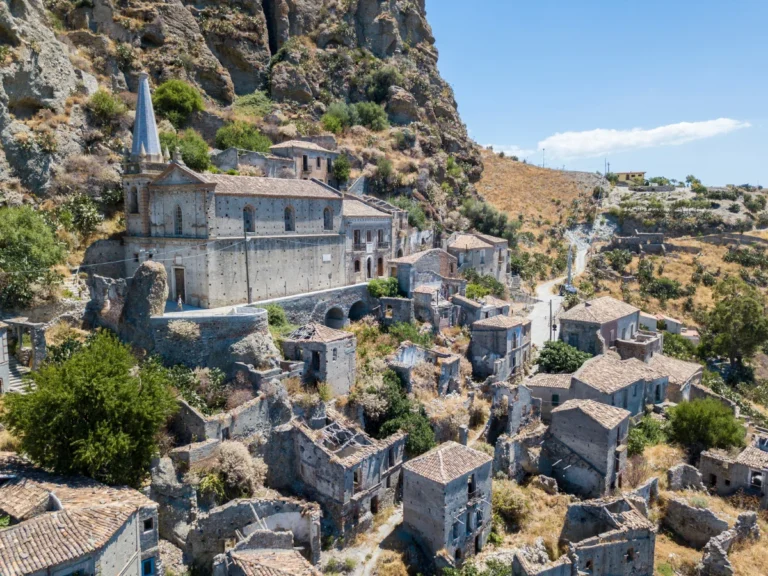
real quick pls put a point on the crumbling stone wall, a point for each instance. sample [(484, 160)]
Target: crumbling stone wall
[(684, 477), (396, 310), (409, 355), (694, 525), (721, 473), (518, 456), (701, 392)]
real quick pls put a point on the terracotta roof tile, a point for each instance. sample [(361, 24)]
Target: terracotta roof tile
[(500, 321), (21, 498), (260, 186), (753, 457), (426, 289), (607, 416), (562, 381), (356, 209), (679, 371), (300, 144), (318, 333), (608, 373), (469, 242), (599, 311), (413, 258), (464, 301), (270, 562), (447, 462)]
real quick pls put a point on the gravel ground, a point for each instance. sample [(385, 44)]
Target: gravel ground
[(171, 557)]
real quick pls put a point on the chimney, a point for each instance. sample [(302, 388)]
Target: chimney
[(146, 140)]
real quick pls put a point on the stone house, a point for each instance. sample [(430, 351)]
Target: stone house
[(725, 473), (311, 160), (595, 326), (268, 165), (486, 307), (332, 461), (682, 376), (500, 347), (395, 311), (446, 501), (441, 363), (629, 384), (609, 538), (5, 360), (551, 389), (431, 267), (585, 448), (328, 356), (513, 408), (431, 306), (486, 255), (368, 240), (73, 525)]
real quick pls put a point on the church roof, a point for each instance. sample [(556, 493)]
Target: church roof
[(301, 144), (354, 208), (260, 186), (146, 139)]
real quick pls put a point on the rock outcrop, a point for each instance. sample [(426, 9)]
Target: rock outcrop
[(146, 297)]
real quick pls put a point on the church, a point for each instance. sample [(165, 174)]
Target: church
[(228, 240)]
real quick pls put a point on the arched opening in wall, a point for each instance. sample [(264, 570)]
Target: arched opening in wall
[(358, 311), (290, 220), (369, 268), (249, 219), (178, 225), (133, 201), (334, 318), (357, 265), (328, 219), (380, 267)]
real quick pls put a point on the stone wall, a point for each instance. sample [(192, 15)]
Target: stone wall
[(106, 258), (684, 477), (723, 474), (694, 525), (336, 362), (701, 392), (396, 310)]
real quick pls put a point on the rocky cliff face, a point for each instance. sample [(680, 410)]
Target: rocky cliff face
[(304, 54)]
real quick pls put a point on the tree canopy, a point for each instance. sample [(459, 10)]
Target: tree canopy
[(557, 357), (177, 100), (703, 424), (239, 134), (28, 250), (97, 413), (194, 150), (737, 326)]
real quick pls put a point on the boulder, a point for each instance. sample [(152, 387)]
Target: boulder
[(545, 483), (684, 477), (177, 501), (257, 349), (694, 525), (746, 527), (288, 83), (402, 106), (146, 297)]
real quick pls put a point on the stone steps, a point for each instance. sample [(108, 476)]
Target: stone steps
[(18, 371)]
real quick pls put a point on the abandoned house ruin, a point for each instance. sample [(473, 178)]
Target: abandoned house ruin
[(500, 347), (438, 367)]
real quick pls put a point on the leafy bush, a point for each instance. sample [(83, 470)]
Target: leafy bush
[(557, 357), (80, 213), (201, 388), (176, 100), (403, 331), (704, 424), (257, 104), (380, 82), (239, 134), (402, 414), (332, 123), (483, 284), (276, 315), (487, 220), (28, 250), (416, 215), (619, 259), (678, 347), (194, 150), (510, 503), (664, 288), (383, 287), (342, 168), (372, 116), (648, 432), (96, 414), (105, 107)]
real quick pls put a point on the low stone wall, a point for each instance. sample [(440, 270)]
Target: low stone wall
[(186, 456), (106, 258), (694, 525)]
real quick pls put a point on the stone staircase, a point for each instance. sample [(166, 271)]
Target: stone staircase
[(18, 371)]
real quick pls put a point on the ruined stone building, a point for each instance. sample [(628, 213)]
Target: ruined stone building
[(595, 326), (585, 447), (609, 538), (430, 305), (368, 240), (439, 367), (682, 376), (73, 525), (726, 473), (311, 161), (486, 255), (330, 460), (432, 268), (446, 501), (629, 384), (500, 347), (327, 356), (246, 561), (551, 389), (254, 163), (480, 309)]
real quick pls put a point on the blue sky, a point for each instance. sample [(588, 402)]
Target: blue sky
[(671, 87)]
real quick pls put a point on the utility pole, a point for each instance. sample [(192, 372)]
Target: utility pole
[(247, 272), (543, 157), (551, 320)]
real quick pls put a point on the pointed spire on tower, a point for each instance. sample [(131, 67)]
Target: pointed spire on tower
[(146, 139)]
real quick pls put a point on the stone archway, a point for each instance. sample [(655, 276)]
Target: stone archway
[(358, 310), (334, 318)]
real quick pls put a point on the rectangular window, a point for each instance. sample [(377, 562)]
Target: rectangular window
[(369, 236), (455, 530), (136, 257), (148, 567), (317, 163), (305, 163), (149, 524), (555, 400), (335, 353)]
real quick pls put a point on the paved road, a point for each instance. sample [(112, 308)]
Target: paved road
[(540, 319)]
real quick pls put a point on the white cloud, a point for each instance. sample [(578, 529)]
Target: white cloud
[(602, 142)]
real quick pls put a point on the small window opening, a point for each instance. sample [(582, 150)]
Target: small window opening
[(149, 524), (471, 487), (290, 220), (555, 400)]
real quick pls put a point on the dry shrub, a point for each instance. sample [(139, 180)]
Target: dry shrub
[(238, 398), (390, 563), (479, 413), (242, 474), (661, 458), (447, 415), (294, 386), (165, 442), (637, 471), (424, 378), (510, 503), (485, 448), (183, 330), (8, 442), (465, 366), (63, 331)]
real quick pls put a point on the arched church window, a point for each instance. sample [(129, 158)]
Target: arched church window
[(290, 220), (177, 222), (249, 219)]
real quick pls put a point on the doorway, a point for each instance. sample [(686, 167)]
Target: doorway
[(178, 281), (380, 267)]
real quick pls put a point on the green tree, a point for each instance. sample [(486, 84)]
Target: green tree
[(704, 424), (28, 250), (93, 414), (105, 107), (383, 287), (619, 259), (176, 100), (737, 326), (194, 150), (403, 414), (678, 347), (380, 82), (372, 116), (342, 168), (239, 134), (557, 357), (80, 213)]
